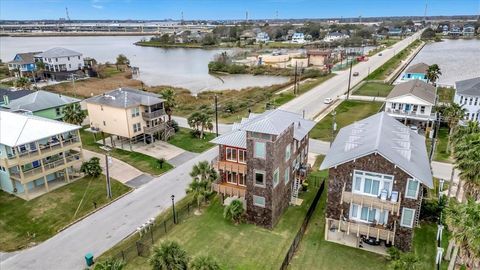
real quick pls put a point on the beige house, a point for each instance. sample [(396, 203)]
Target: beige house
[(129, 114), (319, 58)]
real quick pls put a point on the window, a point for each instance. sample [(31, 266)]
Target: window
[(260, 178), (471, 100), (393, 105), (275, 178), (69, 65), (68, 58), (58, 111), (412, 189), (476, 101), (231, 154), (422, 109), (408, 215), (371, 183), (242, 179), (232, 177), (287, 174), (258, 201), (136, 127), (56, 59), (104, 123), (288, 151), (461, 99), (242, 156), (367, 214), (79, 57), (135, 112), (259, 149)]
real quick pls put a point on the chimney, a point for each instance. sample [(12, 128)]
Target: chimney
[(6, 101)]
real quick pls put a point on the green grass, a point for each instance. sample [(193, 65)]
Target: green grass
[(445, 94), (277, 45), (441, 148), (386, 69), (425, 245), (140, 161), (111, 71), (184, 140), (374, 89), (347, 112), (25, 222)]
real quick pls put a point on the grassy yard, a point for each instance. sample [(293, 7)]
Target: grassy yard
[(424, 245), (441, 148), (374, 89), (184, 140), (140, 161), (24, 223), (347, 112), (445, 94)]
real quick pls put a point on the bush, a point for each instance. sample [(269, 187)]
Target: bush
[(236, 69), (431, 209), (174, 125), (234, 211), (195, 133), (92, 167)]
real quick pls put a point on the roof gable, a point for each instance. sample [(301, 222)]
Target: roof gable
[(40, 100), (421, 68), (417, 88), (126, 98)]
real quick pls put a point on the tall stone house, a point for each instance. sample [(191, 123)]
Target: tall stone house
[(262, 162), (378, 169)]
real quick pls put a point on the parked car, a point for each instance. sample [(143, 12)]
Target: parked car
[(380, 54), (355, 74), (414, 129), (327, 100)]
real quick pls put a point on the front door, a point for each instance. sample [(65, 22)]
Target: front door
[(407, 107)]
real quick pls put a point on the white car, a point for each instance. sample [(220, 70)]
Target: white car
[(327, 100), (414, 129)]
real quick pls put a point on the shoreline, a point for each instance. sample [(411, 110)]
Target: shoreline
[(77, 34)]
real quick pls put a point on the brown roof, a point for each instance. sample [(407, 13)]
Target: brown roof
[(416, 88), (27, 58), (319, 52), (418, 68)]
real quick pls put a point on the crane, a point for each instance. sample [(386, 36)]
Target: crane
[(66, 13)]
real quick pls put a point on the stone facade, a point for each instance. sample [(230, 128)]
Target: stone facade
[(343, 174)]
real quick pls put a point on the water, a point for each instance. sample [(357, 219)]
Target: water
[(457, 59), (186, 68)]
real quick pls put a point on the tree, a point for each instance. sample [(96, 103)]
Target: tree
[(199, 121), (405, 261), (92, 167), (23, 82), (433, 73), (462, 220), (170, 102), (464, 130), (467, 160), (122, 60), (40, 68), (204, 172), (73, 114), (169, 256), (429, 33), (199, 190), (203, 175), (453, 114), (234, 211), (204, 263), (110, 264)]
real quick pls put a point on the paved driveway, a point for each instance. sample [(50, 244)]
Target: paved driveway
[(158, 149)]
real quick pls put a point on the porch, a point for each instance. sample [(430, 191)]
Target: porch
[(61, 179), (230, 190)]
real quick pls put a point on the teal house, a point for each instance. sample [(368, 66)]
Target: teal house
[(41, 103), (416, 72)]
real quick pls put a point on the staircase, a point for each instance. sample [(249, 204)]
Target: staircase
[(295, 189), (419, 208)]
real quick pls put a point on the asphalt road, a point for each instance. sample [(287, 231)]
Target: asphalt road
[(312, 101)]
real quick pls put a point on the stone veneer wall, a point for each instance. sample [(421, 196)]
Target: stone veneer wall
[(342, 174)]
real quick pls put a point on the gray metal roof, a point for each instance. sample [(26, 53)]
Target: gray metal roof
[(418, 68), (13, 94), (58, 52), (40, 100), (469, 87), (382, 134), (418, 88), (126, 98), (273, 122)]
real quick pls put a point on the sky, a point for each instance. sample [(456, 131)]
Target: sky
[(229, 9)]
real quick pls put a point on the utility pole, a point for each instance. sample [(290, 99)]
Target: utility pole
[(216, 115), (349, 78), (109, 188), (435, 132), (295, 80), (73, 85)]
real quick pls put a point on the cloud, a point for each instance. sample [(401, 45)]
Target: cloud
[(97, 6)]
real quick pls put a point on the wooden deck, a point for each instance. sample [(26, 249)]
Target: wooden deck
[(374, 202), (378, 232), (229, 189), (231, 167)]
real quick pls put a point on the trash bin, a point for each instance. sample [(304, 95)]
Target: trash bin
[(89, 259)]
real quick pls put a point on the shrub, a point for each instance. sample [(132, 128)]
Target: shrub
[(174, 125), (234, 211), (169, 256), (431, 209), (236, 69), (92, 167), (204, 263)]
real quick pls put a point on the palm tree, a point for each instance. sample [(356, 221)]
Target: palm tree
[(73, 114), (199, 190), (121, 60), (203, 175), (453, 114), (92, 167), (200, 121), (462, 220), (23, 82), (234, 211), (110, 264), (204, 263), (467, 160), (406, 261), (433, 73), (40, 68), (169, 256), (170, 102), (461, 131), (203, 172)]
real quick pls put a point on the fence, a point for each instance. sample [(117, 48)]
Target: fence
[(303, 228)]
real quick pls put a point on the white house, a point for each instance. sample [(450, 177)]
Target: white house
[(412, 102), (334, 36), (298, 38), (262, 37), (61, 59), (467, 94)]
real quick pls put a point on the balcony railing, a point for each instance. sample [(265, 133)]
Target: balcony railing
[(416, 114), (231, 167), (158, 128), (348, 227), (152, 115), (374, 202), (229, 189)]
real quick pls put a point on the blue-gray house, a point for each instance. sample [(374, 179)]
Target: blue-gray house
[(23, 64), (416, 72)]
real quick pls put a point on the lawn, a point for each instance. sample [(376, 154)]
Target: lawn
[(347, 112), (441, 147), (186, 141), (445, 94), (374, 89), (140, 161), (424, 245), (24, 223)]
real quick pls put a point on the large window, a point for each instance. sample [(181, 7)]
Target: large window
[(260, 150), (258, 201), (287, 174), (136, 127), (231, 154), (232, 177), (135, 112), (276, 178), (260, 178), (412, 189), (367, 214), (242, 156), (371, 183), (288, 151), (408, 216), (242, 179)]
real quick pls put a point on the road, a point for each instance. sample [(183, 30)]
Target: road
[(312, 101), (103, 229)]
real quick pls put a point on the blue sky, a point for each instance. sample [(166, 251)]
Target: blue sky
[(229, 9)]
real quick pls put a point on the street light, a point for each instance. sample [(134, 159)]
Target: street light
[(108, 160), (173, 209)]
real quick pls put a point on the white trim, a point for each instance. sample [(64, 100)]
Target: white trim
[(277, 171), (413, 217), (260, 197), (381, 186), (416, 192), (231, 151), (255, 178), (244, 156)]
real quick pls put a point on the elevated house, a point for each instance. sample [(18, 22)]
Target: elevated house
[(298, 38), (262, 162), (468, 30), (319, 58), (130, 114), (23, 64), (41, 103), (335, 36), (455, 31), (467, 95), (37, 154), (412, 102), (60, 63), (378, 170), (397, 31), (262, 37), (416, 72)]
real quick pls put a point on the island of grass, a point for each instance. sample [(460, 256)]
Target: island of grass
[(347, 112), (374, 89), (185, 140), (25, 223)]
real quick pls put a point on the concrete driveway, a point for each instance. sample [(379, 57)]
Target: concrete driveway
[(158, 149)]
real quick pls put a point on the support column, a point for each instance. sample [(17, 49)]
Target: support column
[(67, 175), (25, 189), (46, 183)]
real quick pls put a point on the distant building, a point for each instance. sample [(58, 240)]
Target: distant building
[(23, 64), (455, 31), (41, 103), (395, 32), (335, 36), (468, 30), (262, 37), (416, 72), (60, 63), (298, 38), (319, 58), (467, 95)]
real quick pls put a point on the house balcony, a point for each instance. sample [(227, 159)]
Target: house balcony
[(229, 190), (147, 116), (391, 205), (416, 115), (229, 166), (155, 129)]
